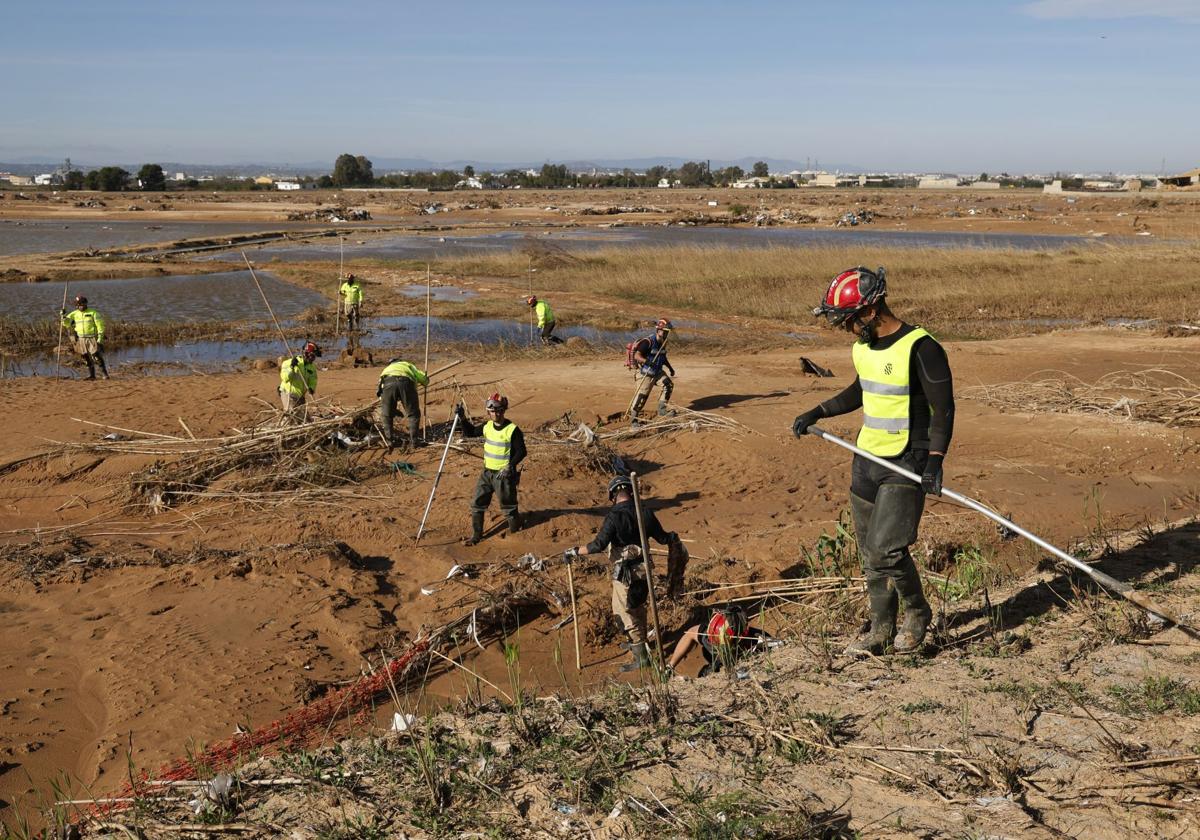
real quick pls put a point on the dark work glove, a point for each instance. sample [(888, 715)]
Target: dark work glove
[(459, 413), (62, 313), (800, 424), (570, 555), (506, 474), (931, 479)]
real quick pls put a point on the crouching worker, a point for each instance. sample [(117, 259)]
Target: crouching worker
[(724, 635), (503, 452), (398, 384), (297, 379), (619, 534)]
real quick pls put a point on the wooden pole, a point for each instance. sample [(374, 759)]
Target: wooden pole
[(337, 330), (637, 507), (437, 478), (529, 273), (58, 349), (268, 303), (574, 617), (425, 388)]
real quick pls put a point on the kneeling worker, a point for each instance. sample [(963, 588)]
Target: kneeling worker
[(298, 378), (398, 383), (503, 451), (619, 534), (723, 635)]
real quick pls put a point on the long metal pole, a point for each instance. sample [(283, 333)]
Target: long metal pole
[(425, 387), (437, 478), (574, 617), (529, 273), (268, 303), (58, 349), (1107, 581), (337, 330), (637, 507)]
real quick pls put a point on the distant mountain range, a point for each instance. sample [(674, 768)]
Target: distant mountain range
[(32, 165)]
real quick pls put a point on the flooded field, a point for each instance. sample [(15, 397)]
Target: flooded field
[(412, 247), (227, 295), (43, 236)]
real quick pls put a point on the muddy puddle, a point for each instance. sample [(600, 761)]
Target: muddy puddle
[(222, 296), (439, 293), (415, 247)]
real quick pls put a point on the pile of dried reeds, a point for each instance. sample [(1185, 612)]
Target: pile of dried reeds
[(783, 589), (1152, 395)]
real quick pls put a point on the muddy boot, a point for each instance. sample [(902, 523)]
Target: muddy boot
[(638, 405), (641, 658), (103, 367), (91, 367), (917, 614), (514, 523), (476, 529), (882, 601), (663, 411)]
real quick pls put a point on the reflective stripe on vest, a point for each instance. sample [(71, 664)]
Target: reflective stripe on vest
[(884, 376), (497, 445)]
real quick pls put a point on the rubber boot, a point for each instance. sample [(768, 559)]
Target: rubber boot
[(91, 367), (638, 405), (641, 658), (514, 523), (476, 528), (917, 613), (882, 602), (103, 366)]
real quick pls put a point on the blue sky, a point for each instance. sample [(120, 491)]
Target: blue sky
[(965, 86)]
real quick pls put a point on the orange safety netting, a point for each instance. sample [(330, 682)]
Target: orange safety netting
[(293, 729)]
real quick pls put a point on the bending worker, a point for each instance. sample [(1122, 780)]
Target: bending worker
[(87, 334), (619, 534), (297, 379), (398, 383), (723, 634), (352, 296), (650, 355), (545, 319), (503, 452), (906, 393)]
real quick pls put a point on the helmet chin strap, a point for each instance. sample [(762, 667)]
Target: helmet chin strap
[(867, 329)]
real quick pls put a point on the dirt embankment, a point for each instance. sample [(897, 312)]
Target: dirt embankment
[(130, 630)]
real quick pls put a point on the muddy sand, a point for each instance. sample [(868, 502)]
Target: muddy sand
[(130, 636)]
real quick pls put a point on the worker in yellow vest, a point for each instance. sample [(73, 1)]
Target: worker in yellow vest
[(503, 452), (906, 392), (352, 297), (87, 334), (398, 383), (298, 379), (545, 319)]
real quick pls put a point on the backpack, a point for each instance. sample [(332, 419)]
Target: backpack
[(631, 348)]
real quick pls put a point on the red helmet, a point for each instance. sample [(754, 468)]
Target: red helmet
[(662, 324), (850, 292), (531, 300), (311, 350), (496, 403)]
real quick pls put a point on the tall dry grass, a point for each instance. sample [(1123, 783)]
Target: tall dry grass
[(964, 292)]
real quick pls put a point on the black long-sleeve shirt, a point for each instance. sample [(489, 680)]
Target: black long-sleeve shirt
[(931, 395), (517, 452), (620, 528)]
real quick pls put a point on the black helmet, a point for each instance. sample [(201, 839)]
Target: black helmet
[(620, 482), (80, 300)]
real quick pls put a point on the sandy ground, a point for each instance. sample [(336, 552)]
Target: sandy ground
[(151, 632)]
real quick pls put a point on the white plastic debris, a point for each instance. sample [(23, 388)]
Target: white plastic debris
[(427, 590), (402, 721)]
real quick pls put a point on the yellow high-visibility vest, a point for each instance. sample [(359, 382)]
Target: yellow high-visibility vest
[(497, 445), (86, 323), (884, 376), (352, 292), (298, 377), (406, 369), (545, 315)]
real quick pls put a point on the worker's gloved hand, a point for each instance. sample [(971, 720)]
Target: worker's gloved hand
[(570, 555), (379, 390), (506, 474), (931, 479), (459, 412), (647, 370), (801, 423), (62, 313)]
